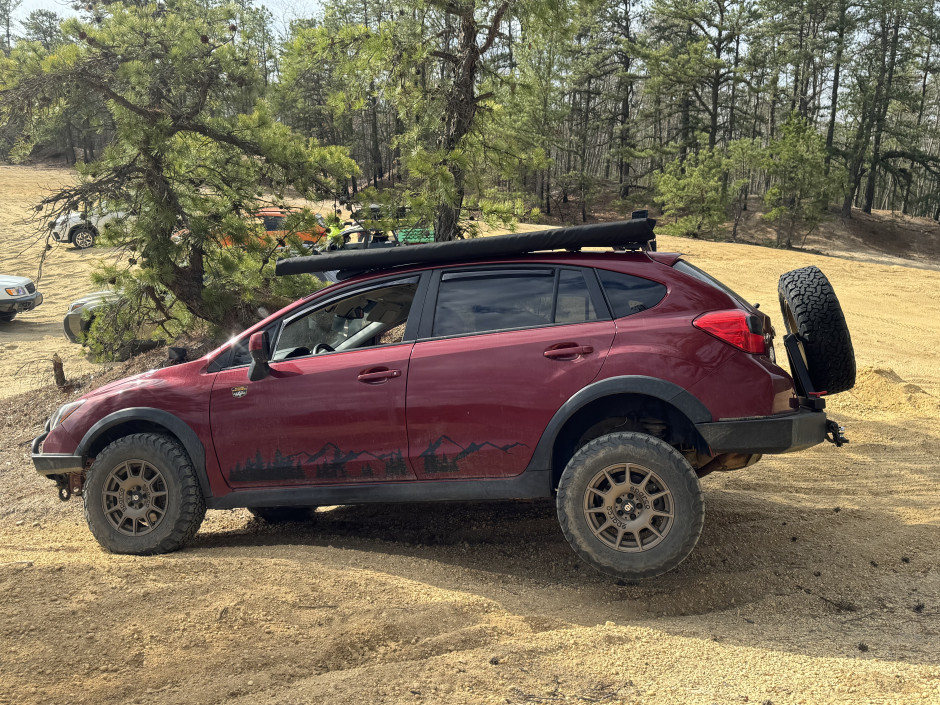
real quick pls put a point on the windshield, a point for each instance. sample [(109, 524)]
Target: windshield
[(273, 222)]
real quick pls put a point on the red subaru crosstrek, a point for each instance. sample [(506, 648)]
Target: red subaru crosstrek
[(475, 370)]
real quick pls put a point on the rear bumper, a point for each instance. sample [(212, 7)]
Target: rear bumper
[(54, 463), (785, 433), (24, 303)]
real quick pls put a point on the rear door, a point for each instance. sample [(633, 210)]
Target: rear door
[(499, 351)]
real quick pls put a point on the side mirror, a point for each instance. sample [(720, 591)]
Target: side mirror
[(259, 347)]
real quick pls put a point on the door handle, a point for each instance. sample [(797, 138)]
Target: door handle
[(379, 376), (568, 351)]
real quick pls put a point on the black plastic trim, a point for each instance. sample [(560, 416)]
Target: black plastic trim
[(785, 433), (179, 428), (527, 485), (668, 392)]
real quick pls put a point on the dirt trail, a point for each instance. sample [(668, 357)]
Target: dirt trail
[(28, 343), (817, 579)]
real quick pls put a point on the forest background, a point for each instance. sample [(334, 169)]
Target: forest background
[(192, 113)]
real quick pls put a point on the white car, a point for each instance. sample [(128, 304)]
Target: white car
[(17, 294), (81, 229)]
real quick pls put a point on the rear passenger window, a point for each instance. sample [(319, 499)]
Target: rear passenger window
[(574, 303), (476, 303), (628, 294)]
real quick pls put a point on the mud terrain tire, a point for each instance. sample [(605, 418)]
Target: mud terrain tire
[(283, 515), (629, 483), (812, 311), (142, 496)]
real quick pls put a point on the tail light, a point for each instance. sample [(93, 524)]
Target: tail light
[(734, 327)]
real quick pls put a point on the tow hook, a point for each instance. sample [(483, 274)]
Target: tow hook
[(835, 433), (68, 485)]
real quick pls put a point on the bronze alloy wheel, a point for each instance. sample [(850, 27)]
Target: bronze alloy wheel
[(629, 507), (134, 499)]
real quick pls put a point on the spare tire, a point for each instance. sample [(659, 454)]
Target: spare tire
[(812, 312)]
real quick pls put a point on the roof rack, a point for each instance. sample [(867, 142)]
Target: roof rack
[(634, 234)]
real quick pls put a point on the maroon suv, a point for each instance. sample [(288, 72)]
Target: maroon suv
[(476, 370)]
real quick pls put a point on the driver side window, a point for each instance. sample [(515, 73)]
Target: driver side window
[(364, 319)]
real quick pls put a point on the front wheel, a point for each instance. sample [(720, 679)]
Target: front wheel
[(630, 505), (83, 237), (7, 317), (142, 496)]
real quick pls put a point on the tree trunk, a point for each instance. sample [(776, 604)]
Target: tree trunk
[(460, 109), (836, 70), (883, 91)]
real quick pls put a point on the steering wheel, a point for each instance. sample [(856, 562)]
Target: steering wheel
[(322, 348)]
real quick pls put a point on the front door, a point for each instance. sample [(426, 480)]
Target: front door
[(479, 395), (332, 411)]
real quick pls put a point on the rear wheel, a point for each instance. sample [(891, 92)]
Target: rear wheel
[(812, 312), (142, 496), (630, 505), (283, 515)]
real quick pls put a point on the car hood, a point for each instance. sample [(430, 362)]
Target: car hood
[(150, 378), (11, 281), (97, 296)]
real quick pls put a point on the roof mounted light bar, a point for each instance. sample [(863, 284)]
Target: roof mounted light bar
[(634, 234)]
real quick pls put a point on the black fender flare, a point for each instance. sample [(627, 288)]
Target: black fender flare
[(174, 424), (668, 392)]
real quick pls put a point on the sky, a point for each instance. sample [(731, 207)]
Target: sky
[(283, 10)]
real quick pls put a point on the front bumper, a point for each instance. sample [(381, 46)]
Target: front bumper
[(21, 304), (783, 433), (49, 464), (75, 326)]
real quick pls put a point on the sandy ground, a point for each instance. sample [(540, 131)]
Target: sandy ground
[(817, 578), (28, 342)]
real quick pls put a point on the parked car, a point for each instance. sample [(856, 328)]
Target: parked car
[(273, 223), (17, 295), (483, 369), (82, 229), (81, 313), (273, 220)]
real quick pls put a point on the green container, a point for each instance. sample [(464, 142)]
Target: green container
[(415, 236)]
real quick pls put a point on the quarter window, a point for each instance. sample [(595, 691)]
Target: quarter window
[(628, 294)]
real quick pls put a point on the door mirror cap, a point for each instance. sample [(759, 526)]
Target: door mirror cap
[(259, 347)]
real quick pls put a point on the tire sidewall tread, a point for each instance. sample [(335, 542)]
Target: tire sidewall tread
[(821, 327)]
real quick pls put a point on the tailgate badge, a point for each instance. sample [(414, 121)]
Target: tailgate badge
[(239, 392)]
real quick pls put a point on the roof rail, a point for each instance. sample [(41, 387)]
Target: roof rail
[(634, 234)]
